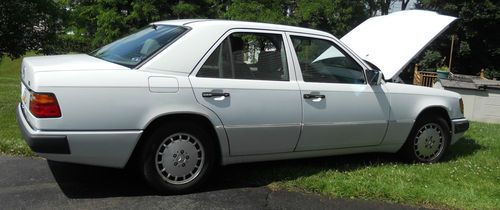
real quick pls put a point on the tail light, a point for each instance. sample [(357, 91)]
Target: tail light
[(44, 105), (461, 105)]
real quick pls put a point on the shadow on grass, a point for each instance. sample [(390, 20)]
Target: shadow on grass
[(463, 148), (79, 181), (264, 173)]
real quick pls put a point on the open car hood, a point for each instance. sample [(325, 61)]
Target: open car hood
[(392, 41)]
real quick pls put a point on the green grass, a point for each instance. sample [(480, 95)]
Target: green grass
[(10, 139), (469, 176)]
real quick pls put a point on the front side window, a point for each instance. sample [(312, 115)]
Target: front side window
[(257, 56), (132, 49), (322, 61)]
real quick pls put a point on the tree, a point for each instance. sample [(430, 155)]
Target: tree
[(94, 23), (99, 22), (383, 6), (217, 8), (476, 31), (184, 9), (259, 11), (89, 24), (337, 16), (404, 4), (374, 6), (27, 25)]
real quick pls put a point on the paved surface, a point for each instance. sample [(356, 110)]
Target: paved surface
[(29, 183)]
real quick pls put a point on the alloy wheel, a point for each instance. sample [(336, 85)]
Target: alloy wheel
[(179, 158), (429, 142)]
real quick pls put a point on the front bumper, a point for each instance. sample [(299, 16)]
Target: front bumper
[(459, 126), (100, 148)]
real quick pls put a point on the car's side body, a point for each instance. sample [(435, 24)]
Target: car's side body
[(107, 108)]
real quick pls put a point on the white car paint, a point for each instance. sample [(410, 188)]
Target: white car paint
[(392, 41), (112, 105)]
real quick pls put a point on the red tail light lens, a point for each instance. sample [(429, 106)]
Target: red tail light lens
[(44, 105)]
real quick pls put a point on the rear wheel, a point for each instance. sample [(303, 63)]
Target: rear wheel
[(428, 140), (177, 158)]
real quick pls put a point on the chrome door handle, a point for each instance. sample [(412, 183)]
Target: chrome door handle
[(213, 94), (313, 96)]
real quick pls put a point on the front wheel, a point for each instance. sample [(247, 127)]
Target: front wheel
[(178, 158), (428, 140)]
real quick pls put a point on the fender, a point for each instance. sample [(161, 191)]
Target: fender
[(408, 102)]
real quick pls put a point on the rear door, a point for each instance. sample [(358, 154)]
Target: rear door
[(245, 80), (340, 109)]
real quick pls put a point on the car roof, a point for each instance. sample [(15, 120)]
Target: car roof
[(230, 24), (203, 35)]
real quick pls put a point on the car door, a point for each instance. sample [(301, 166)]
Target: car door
[(340, 109), (245, 80)]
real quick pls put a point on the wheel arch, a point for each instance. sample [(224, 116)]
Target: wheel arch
[(435, 110), (430, 110), (182, 116), (440, 111)]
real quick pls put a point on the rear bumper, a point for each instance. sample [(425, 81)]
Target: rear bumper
[(100, 148), (39, 143), (459, 126)]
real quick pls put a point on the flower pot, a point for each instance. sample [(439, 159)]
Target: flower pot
[(442, 74)]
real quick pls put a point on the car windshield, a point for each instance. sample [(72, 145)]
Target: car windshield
[(132, 49)]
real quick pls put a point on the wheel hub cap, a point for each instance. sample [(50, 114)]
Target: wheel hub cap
[(429, 142), (179, 158)]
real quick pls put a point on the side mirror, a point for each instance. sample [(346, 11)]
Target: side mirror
[(374, 77)]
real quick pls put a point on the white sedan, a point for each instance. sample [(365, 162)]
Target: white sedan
[(179, 97)]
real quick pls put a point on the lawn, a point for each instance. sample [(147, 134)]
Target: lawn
[(10, 139), (469, 176)]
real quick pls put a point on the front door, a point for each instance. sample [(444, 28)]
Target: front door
[(246, 82), (340, 109)]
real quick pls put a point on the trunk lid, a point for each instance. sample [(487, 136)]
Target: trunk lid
[(74, 62), (392, 41)]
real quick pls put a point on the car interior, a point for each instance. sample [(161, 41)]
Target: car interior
[(252, 56)]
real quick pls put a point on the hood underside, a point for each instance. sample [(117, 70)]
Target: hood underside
[(392, 41)]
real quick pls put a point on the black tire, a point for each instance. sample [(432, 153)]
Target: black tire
[(420, 147), (155, 145)]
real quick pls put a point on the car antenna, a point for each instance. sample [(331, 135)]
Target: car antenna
[(154, 26)]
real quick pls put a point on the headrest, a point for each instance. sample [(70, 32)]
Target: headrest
[(237, 43)]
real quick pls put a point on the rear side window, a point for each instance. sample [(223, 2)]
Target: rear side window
[(322, 61), (257, 56), (132, 49)]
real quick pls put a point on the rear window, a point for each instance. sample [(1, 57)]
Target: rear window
[(131, 50)]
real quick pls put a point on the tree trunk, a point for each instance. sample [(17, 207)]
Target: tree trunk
[(384, 6), (404, 3)]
